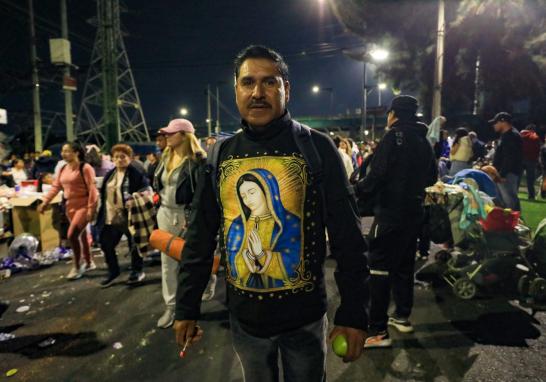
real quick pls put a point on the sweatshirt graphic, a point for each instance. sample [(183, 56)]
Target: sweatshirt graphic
[(264, 226)]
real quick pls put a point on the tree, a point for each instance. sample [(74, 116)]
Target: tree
[(509, 37)]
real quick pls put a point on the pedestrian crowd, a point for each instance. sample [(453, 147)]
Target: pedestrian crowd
[(272, 201)]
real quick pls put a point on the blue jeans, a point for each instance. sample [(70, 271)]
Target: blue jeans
[(509, 192), (302, 352)]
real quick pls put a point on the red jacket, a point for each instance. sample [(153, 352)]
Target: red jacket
[(531, 145)]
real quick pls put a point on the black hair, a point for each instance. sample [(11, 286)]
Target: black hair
[(247, 178), (531, 127), (93, 158), (260, 51), (77, 147), (460, 133), (337, 141)]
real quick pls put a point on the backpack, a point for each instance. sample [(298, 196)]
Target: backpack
[(304, 141)]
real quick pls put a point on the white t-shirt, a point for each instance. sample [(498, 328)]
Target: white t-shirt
[(347, 162)]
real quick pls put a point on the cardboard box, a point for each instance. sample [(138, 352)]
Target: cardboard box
[(26, 218)]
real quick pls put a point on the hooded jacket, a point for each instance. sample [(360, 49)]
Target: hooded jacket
[(402, 167), (531, 145)]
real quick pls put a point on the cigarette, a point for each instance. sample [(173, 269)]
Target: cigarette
[(183, 351)]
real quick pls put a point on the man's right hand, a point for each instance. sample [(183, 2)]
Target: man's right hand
[(187, 329)]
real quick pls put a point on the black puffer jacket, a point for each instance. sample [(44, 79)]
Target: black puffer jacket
[(186, 182), (402, 167)]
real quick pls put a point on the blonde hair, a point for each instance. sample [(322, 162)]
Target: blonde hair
[(191, 149)]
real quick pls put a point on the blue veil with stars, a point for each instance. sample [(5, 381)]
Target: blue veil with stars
[(286, 238)]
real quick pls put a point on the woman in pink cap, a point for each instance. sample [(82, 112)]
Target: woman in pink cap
[(175, 180)]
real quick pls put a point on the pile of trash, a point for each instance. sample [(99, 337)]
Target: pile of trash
[(23, 255)]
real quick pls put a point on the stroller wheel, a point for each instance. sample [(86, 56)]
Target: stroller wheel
[(464, 288), (524, 283), (537, 289)]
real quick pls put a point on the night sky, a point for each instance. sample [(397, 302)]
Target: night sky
[(176, 48)]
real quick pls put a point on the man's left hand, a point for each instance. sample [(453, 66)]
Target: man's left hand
[(355, 341)]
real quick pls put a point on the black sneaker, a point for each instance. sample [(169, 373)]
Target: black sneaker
[(136, 277), (109, 281)]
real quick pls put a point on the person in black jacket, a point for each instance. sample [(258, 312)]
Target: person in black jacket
[(272, 217), (117, 187), (402, 167), (508, 160)]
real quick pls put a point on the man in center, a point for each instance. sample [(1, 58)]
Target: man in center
[(273, 216)]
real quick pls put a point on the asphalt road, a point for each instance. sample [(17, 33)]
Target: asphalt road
[(489, 339)]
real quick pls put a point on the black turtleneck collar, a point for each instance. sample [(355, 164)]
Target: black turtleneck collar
[(272, 129)]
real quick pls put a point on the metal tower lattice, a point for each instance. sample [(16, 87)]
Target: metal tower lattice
[(110, 109)]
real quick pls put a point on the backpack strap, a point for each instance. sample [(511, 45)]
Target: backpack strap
[(304, 141), (213, 160)]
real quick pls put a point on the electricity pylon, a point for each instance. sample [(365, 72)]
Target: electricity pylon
[(110, 110)]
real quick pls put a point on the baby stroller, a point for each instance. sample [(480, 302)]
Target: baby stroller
[(486, 243)]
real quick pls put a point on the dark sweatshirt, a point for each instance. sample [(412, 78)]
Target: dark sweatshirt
[(509, 154), (280, 286), (402, 167)]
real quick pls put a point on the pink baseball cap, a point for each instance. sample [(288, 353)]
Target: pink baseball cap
[(178, 125)]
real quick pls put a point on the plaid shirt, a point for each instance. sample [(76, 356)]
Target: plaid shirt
[(141, 220)]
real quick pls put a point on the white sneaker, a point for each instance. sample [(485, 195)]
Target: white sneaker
[(167, 319), (401, 324), (208, 294), (89, 267), (75, 273)]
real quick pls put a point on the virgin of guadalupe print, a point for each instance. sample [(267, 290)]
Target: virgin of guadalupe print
[(263, 201)]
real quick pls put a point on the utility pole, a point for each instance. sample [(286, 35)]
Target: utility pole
[(439, 64), (476, 87), (109, 74), (69, 115), (35, 83), (209, 111), (218, 129), (364, 122)]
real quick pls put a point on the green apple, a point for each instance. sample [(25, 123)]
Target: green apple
[(340, 345)]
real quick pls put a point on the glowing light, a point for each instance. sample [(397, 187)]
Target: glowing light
[(382, 86), (379, 54), (184, 111), (315, 89)]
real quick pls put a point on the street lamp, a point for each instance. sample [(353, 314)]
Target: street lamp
[(184, 112), (379, 54), (315, 89)]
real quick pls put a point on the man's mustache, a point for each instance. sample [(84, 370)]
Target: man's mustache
[(259, 103)]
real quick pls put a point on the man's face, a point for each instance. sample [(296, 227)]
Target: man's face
[(261, 92), (501, 126)]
